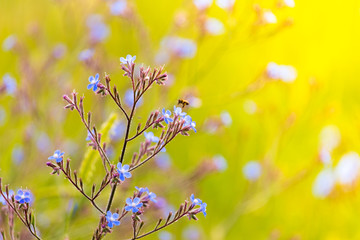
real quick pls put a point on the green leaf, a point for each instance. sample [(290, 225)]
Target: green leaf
[(92, 157)]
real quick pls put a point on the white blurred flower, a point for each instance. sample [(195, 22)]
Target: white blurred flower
[(272, 70), (289, 3), (324, 183), (86, 55), (118, 8), (10, 84), (180, 47), (59, 50), (214, 26), (330, 137), (17, 154), (284, 73), (250, 106), (269, 17), (170, 80), (287, 73), (252, 170), (98, 30), (347, 169), (195, 102), (9, 43), (162, 57), (165, 235), (325, 156), (43, 142), (225, 4), (202, 4), (226, 118), (129, 99), (220, 163), (163, 161), (117, 130), (191, 233)]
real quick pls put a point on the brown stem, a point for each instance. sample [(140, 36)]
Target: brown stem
[(153, 155), (121, 159), (117, 103), (101, 189), (81, 191), (100, 149), (163, 226), (139, 133), (25, 222)]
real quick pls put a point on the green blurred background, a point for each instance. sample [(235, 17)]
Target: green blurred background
[(242, 113)]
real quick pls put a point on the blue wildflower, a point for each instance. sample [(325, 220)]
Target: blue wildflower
[(58, 156), (220, 163), (89, 136), (142, 190), (163, 161), (98, 30), (93, 82), (117, 131), (86, 55), (2, 199), (133, 205), (166, 115), (129, 59), (190, 122), (23, 196), (59, 50), (123, 171), (17, 154), (191, 232), (43, 142), (152, 197), (10, 84), (110, 151), (150, 137), (165, 235), (226, 118), (252, 170), (181, 47), (203, 208), (178, 111), (9, 43), (195, 201), (129, 99), (112, 219)]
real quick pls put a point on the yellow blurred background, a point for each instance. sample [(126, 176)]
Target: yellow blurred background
[(296, 132)]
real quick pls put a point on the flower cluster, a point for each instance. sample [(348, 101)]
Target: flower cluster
[(171, 123), (57, 156), (285, 73), (123, 171), (19, 204), (23, 196), (200, 203)]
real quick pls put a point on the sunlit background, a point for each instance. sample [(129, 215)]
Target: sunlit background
[(273, 87)]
